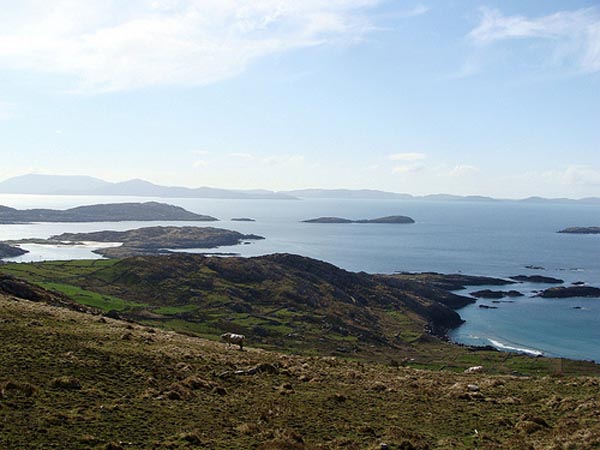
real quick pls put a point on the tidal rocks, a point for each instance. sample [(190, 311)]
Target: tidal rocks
[(384, 220), (570, 292), (9, 251), (537, 279), (581, 230), (488, 293), (488, 307), (112, 212)]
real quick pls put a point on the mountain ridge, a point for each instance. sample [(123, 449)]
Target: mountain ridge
[(39, 184)]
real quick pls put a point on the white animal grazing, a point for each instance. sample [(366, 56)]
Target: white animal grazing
[(232, 338), (474, 369)]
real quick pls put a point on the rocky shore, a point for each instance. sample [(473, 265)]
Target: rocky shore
[(10, 251), (570, 292)]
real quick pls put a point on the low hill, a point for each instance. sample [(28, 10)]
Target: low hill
[(110, 212), (75, 379), (281, 302)]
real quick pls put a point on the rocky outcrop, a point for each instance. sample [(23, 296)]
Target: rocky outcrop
[(384, 220), (9, 251), (113, 212), (570, 292), (451, 282), (488, 293), (537, 279)]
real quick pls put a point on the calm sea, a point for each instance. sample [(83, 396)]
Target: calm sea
[(480, 238)]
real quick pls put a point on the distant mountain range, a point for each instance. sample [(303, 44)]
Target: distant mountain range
[(84, 185)]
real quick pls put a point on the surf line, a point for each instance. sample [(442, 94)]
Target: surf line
[(528, 351)]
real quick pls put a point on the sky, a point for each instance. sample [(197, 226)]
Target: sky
[(497, 98)]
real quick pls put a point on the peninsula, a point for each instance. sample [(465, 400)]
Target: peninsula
[(384, 220), (537, 279), (9, 251), (151, 240), (111, 212)]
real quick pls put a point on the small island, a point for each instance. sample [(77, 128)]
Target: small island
[(150, 240), (537, 279), (570, 292), (384, 220), (112, 212), (488, 293), (9, 251), (243, 219), (581, 230)]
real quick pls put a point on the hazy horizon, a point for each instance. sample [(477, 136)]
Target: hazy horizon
[(297, 192), (494, 98)]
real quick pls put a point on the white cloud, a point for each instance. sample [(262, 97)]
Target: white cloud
[(462, 170), (239, 155), (578, 175), (574, 36), (407, 156), (407, 168), (108, 45)]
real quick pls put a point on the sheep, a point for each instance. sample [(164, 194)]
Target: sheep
[(474, 369), (232, 338)]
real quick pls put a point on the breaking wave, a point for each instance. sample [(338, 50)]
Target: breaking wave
[(528, 351)]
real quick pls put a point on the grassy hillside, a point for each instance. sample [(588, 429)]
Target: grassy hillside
[(74, 380), (286, 303)]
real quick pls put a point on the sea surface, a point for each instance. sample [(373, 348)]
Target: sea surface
[(497, 239)]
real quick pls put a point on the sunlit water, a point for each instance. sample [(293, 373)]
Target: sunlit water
[(481, 238)]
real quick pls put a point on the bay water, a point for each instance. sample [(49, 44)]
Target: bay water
[(492, 238)]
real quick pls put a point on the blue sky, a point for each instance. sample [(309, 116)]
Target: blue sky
[(465, 97)]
